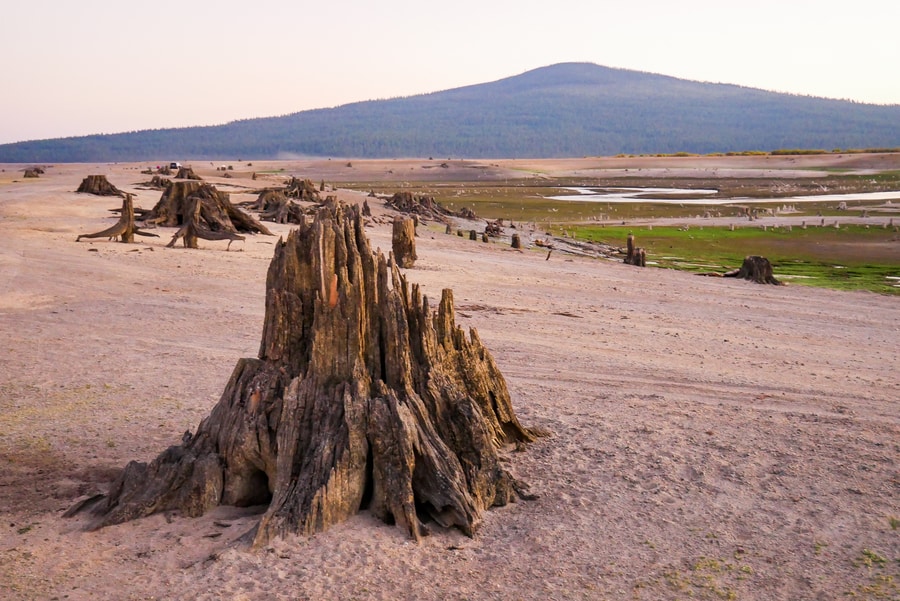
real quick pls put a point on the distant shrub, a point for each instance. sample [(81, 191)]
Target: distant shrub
[(871, 150), (797, 151)]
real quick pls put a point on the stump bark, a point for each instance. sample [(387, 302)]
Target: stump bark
[(424, 206), (302, 189), (403, 242), (361, 398), (756, 269), (516, 241), (176, 207), (187, 173), (98, 185), (634, 255), (124, 229), (194, 228)]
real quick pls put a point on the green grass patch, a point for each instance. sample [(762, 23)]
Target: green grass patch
[(850, 258)]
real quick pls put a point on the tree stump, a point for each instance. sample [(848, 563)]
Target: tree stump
[(403, 242), (473, 235), (176, 207), (194, 229), (756, 269), (634, 255), (273, 205), (98, 185), (125, 229), (516, 241), (361, 398), (302, 189), (187, 173)]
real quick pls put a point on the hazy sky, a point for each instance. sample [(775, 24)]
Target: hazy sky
[(102, 66)]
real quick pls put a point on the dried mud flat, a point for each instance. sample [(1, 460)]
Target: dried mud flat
[(712, 439)]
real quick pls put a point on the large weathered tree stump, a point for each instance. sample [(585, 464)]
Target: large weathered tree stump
[(98, 185), (302, 189), (516, 241), (362, 398), (125, 229), (187, 173), (756, 269), (403, 242), (424, 206), (194, 229), (177, 206)]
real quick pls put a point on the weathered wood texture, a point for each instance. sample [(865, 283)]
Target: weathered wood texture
[(634, 255), (424, 206), (302, 189), (98, 185), (187, 173), (362, 398), (756, 269), (124, 229), (211, 211), (274, 205), (403, 242)]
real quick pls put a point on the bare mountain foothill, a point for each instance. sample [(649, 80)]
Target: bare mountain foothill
[(707, 438)]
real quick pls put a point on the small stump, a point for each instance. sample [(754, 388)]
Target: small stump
[(403, 242), (635, 256), (756, 269), (98, 185)]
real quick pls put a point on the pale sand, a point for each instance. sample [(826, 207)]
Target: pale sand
[(709, 436)]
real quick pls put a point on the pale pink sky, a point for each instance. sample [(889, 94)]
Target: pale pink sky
[(103, 66)]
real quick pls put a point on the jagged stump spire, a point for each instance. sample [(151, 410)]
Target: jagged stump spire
[(362, 398)]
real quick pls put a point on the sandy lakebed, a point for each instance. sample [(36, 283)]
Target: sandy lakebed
[(711, 439)]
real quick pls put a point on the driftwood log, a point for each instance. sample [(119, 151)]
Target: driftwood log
[(98, 185), (403, 242), (125, 229), (756, 269), (362, 398)]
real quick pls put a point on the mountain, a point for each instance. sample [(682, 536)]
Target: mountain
[(563, 110)]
